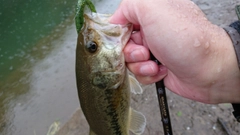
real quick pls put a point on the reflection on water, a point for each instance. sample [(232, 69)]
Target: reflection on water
[(37, 54)]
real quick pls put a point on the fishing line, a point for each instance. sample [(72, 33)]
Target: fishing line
[(163, 105)]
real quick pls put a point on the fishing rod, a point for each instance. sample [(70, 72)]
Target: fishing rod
[(163, 105)]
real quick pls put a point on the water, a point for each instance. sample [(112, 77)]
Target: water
[(37, 59), (196, 43), (26, 36), (207, 45), (23, 23)]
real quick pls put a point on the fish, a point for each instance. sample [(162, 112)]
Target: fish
[(103, 82)]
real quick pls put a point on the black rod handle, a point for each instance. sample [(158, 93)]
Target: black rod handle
[(163, 105)]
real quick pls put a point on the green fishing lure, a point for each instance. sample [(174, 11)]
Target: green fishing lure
[(79, 19)]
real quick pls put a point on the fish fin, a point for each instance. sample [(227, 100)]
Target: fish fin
[(137, 122), (135, 86), (91, 132)]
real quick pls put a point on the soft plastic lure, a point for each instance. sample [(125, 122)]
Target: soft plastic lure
[(79, 19)]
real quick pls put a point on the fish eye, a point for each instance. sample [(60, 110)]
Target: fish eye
[(92, 46)]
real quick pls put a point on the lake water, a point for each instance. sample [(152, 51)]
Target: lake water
[(37, 63)]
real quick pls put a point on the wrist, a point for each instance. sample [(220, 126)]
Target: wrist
[(224, 72), (234, 33)]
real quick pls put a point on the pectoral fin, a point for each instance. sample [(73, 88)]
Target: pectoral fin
[(137, 122), (135, 86)]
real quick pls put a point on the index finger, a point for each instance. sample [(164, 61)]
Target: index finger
[(125, 14)]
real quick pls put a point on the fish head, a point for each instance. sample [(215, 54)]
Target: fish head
[(100, 50)]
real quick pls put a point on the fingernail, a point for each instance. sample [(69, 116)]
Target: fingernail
[(146, 70), (162, 68), (137, 55), (133, 55)]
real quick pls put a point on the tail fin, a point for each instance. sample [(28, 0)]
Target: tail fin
[(137, 122)]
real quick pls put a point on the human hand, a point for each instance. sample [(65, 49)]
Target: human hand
[(198, 57)]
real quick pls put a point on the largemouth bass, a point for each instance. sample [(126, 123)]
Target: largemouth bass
[(102, 80)]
